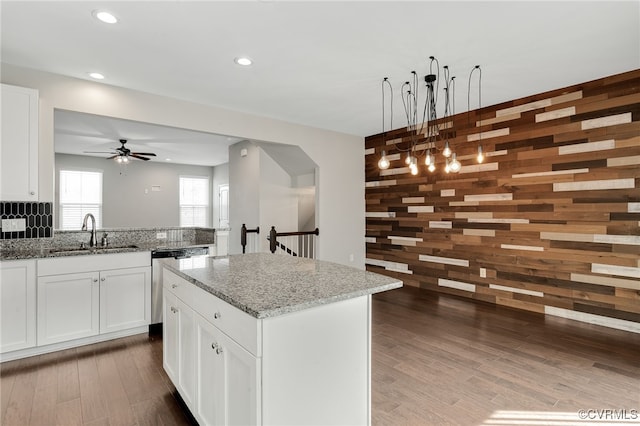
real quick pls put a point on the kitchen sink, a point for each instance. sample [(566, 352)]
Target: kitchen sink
[(81, 250)]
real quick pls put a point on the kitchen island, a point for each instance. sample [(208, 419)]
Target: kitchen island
[(270, 339)]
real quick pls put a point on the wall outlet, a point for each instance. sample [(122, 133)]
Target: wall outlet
[(14, 225), (19, 225), (161, 235)]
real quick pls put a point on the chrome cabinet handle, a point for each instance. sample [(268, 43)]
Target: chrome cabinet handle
[(216, 347), (174, 286), (95, 280), (103, 279), (32, 192), (174, 310), (216, 315)]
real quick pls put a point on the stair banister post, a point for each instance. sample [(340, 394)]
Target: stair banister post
[(243, 237), (272, 239)]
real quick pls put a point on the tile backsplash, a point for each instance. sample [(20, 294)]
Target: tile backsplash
[(38, 218)]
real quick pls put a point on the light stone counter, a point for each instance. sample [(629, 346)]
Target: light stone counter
[(267, 285)]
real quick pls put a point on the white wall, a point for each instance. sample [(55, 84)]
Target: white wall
[(340, 157), (244, 190), (127, 198), (278, 200)]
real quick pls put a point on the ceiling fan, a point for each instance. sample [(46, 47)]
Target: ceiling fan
[(122, 154)]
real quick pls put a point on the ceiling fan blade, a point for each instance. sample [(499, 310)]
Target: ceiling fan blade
[(139, 157), (144, 153), (98, 152)]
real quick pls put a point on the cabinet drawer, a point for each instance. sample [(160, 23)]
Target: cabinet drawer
[(240, 326), (180, 287), (92, 262)]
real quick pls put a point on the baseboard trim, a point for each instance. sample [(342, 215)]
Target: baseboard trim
[(39, 350)]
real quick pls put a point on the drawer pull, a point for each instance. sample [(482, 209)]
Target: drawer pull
[(174, 310), (174, 285), (214, 346), (102, 279), (95, 280), (216, 315), (218, 350)]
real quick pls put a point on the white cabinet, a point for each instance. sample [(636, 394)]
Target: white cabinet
[(17, 305), (124, 299), (216, 377), (170, 330), (19, 144), (68, 307), (227, 379), (82, 296), (305, 367)]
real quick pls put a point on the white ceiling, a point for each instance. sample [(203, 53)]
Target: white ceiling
[(321, 63), (76, 133)]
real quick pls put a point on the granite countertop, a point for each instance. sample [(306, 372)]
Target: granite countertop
[(46, 252), (267, 285)]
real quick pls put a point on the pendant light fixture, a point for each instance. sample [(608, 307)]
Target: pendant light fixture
[(384, 163), (480, 156), (411, 150)]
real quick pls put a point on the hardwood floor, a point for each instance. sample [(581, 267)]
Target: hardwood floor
[(440, 360), (436, 360)]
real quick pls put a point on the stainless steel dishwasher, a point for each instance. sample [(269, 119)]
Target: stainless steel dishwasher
[(156, 279)]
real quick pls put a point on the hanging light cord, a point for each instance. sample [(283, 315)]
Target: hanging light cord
[(386, 80), (477, 67)]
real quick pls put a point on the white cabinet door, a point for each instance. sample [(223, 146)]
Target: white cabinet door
[(228, 379), (186, 354), (17, 305), (68, 307), (170, 336), (241, 384), (19, 144), (179, 346), (209, 408), (125, 299)]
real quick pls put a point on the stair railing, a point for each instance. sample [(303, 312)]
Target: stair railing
[(301, 244), (243, 238)]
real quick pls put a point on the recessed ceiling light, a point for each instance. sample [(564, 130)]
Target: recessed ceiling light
[(243, 60), (96, 75), (105, 16)]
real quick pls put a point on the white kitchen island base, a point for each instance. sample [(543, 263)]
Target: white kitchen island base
[(316, 366), (286, 364)]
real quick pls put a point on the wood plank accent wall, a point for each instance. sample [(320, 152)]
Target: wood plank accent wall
[(550, 222)]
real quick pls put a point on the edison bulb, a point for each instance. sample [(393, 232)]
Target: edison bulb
[(480, 154), (446, 151), (455, 164), (383, 163)]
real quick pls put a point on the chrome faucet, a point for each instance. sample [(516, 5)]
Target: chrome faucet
[(94, 239)]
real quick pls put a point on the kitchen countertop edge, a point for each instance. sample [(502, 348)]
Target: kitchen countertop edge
[(390, 284)]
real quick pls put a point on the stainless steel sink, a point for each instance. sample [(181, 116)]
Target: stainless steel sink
[(82, 250)]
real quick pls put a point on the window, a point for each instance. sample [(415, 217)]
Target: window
[(80, 193), (194, 201)]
